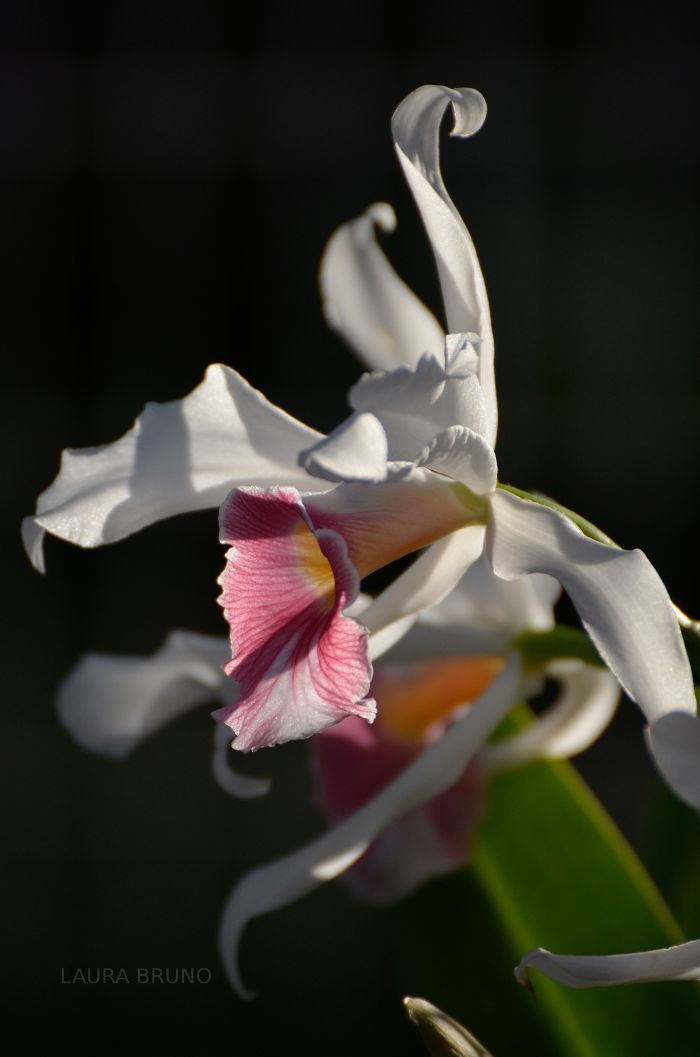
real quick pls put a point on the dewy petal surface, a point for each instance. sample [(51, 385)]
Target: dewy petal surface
[(365, 300), (178, 456), (669, 963), (416, 130), (618, 594), (281, 882), (300, 664)]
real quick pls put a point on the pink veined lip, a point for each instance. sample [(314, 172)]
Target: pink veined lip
[(300, 664)]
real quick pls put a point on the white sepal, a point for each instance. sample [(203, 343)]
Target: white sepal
[(416, 129), (365, 300)]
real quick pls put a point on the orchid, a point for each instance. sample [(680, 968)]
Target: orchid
[(307, 517)]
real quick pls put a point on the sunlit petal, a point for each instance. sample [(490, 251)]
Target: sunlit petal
[(179, 456), (416, 130), (463, 455), (282, 882), (366, 301), (618, 594), (670, 963), (415, 404), (356, 450)]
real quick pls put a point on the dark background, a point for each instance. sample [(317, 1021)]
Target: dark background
[(170, 173)]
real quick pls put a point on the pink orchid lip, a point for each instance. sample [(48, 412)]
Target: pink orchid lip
[(300, 664)]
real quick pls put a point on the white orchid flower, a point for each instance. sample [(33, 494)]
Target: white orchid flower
[(416, 466), (413, 467)]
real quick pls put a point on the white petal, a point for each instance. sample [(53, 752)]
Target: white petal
[(179, 456), (366, 301), (111, 703), (385, 639), (482, 601), (416, 130), (585, 705), (618, 594), (356, 450), (413, 404), (426, 582), (463, 455), (281, 882), (231, 781), (670, 963), (674, 741)]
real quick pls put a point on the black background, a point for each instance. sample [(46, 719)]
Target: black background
[(170, 173)]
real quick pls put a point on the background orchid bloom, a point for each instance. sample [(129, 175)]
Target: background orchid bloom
[(405, 794)]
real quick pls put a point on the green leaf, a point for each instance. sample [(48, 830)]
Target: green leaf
[(671, 850), (550, 869), (536, 648)]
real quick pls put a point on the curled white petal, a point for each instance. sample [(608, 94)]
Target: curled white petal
[(178, 456), (356, 450), (428, 580), (463, 455), (286, 880), (585, 706), (674, 741), (110, 703), (669, 963), (619, 596), (413, 404), (416, 130), (365, 300)]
